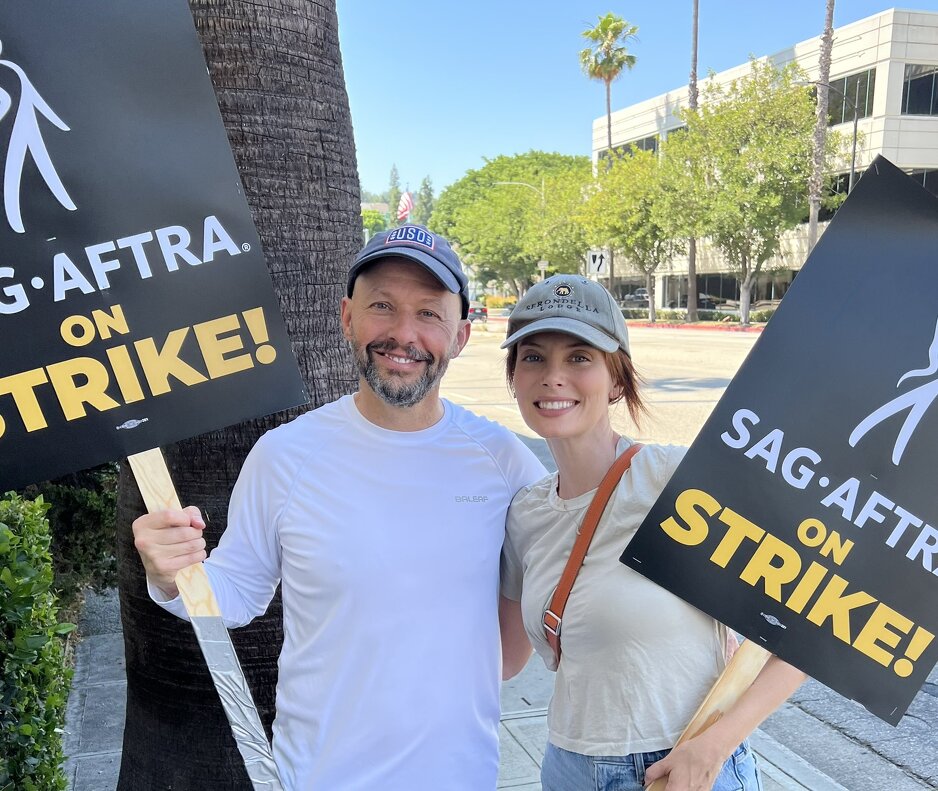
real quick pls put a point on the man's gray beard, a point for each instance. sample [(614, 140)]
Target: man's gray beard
[(391, 389)]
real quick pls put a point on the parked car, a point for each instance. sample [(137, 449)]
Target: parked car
[(478, 312), (637, 299)]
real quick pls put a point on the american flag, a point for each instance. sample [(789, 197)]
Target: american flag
[(405, 207)]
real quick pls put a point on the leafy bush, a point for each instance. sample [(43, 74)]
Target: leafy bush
[(34, 681), (670, 315), (492, 301), (82, 517), (761, 315)]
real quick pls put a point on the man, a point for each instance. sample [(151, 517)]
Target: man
[(383, 515)]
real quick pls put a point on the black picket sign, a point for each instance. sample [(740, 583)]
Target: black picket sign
[(802, 515), (135, 305)]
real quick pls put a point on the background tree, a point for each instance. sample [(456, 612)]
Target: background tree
[(822, 121), (747, 156), (290, 129), (373, 197), (692, 290), (621, 213), (373, 222), (423, 202), (608, 56), (394, 196), (507, 215), (555, 231), (605, 59)]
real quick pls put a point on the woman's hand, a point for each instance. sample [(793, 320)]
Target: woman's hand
[(691, 766)]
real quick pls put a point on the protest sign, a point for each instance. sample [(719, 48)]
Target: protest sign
[(803, 514), (135, 306)]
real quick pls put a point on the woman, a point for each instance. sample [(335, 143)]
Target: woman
[(636, 660)]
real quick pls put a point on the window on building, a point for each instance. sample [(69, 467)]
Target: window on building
[(919, 94), (854, 90), (645, 144)]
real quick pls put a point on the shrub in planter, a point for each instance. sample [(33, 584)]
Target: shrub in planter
[(82, 522), (33, 677)]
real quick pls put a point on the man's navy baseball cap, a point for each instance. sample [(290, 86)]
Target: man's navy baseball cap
[(415, 243)]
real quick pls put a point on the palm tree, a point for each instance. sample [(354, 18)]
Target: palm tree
[(815, 181), (608, 56), (692, 105), (290, 129), (605, 59)]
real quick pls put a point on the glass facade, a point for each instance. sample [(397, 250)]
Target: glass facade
[(854, 90), (649, 143), (919, 94)]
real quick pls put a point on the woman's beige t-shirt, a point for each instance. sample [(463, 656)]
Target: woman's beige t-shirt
[(637, 661)]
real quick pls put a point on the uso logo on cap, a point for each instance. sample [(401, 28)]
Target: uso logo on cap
[(412, 234)]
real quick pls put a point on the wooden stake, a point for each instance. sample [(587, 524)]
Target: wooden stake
[(735, 679), (158, 492), (156, 486)]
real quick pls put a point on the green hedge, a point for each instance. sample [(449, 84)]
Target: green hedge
[(671, 315), (82, 519), (34, 682)]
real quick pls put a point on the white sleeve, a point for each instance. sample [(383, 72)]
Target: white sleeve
[(521, 467), (244, 569), (510, 568)]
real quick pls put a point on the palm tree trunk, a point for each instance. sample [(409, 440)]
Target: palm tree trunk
[(692, 104), (278, 77), (820, 126), (609, 123)]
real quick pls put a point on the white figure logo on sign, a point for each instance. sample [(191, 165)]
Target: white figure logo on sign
[(26, 138), (916, 401)]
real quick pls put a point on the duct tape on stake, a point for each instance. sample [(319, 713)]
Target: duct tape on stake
[(156, 487)]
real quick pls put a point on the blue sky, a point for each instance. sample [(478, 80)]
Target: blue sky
[(437, 86)]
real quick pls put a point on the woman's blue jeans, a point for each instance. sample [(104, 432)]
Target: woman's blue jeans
[(562, 770)]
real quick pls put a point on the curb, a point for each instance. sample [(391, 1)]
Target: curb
[(664, 325), (667, 325)]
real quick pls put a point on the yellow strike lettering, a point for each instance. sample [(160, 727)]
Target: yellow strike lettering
[(21, 386), (836, 548), (215, 348), (125, 374), (916, 647), (811, 532), (834, 605), (877, 630), (108, 322), (69, 327), (696, 528), (159, 365), (806, 587), (760, 566), (73, 396), (738, 528)]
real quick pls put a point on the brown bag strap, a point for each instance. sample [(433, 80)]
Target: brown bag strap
[(553, 615)]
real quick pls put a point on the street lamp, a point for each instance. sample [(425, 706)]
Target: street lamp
[(525, 184)]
